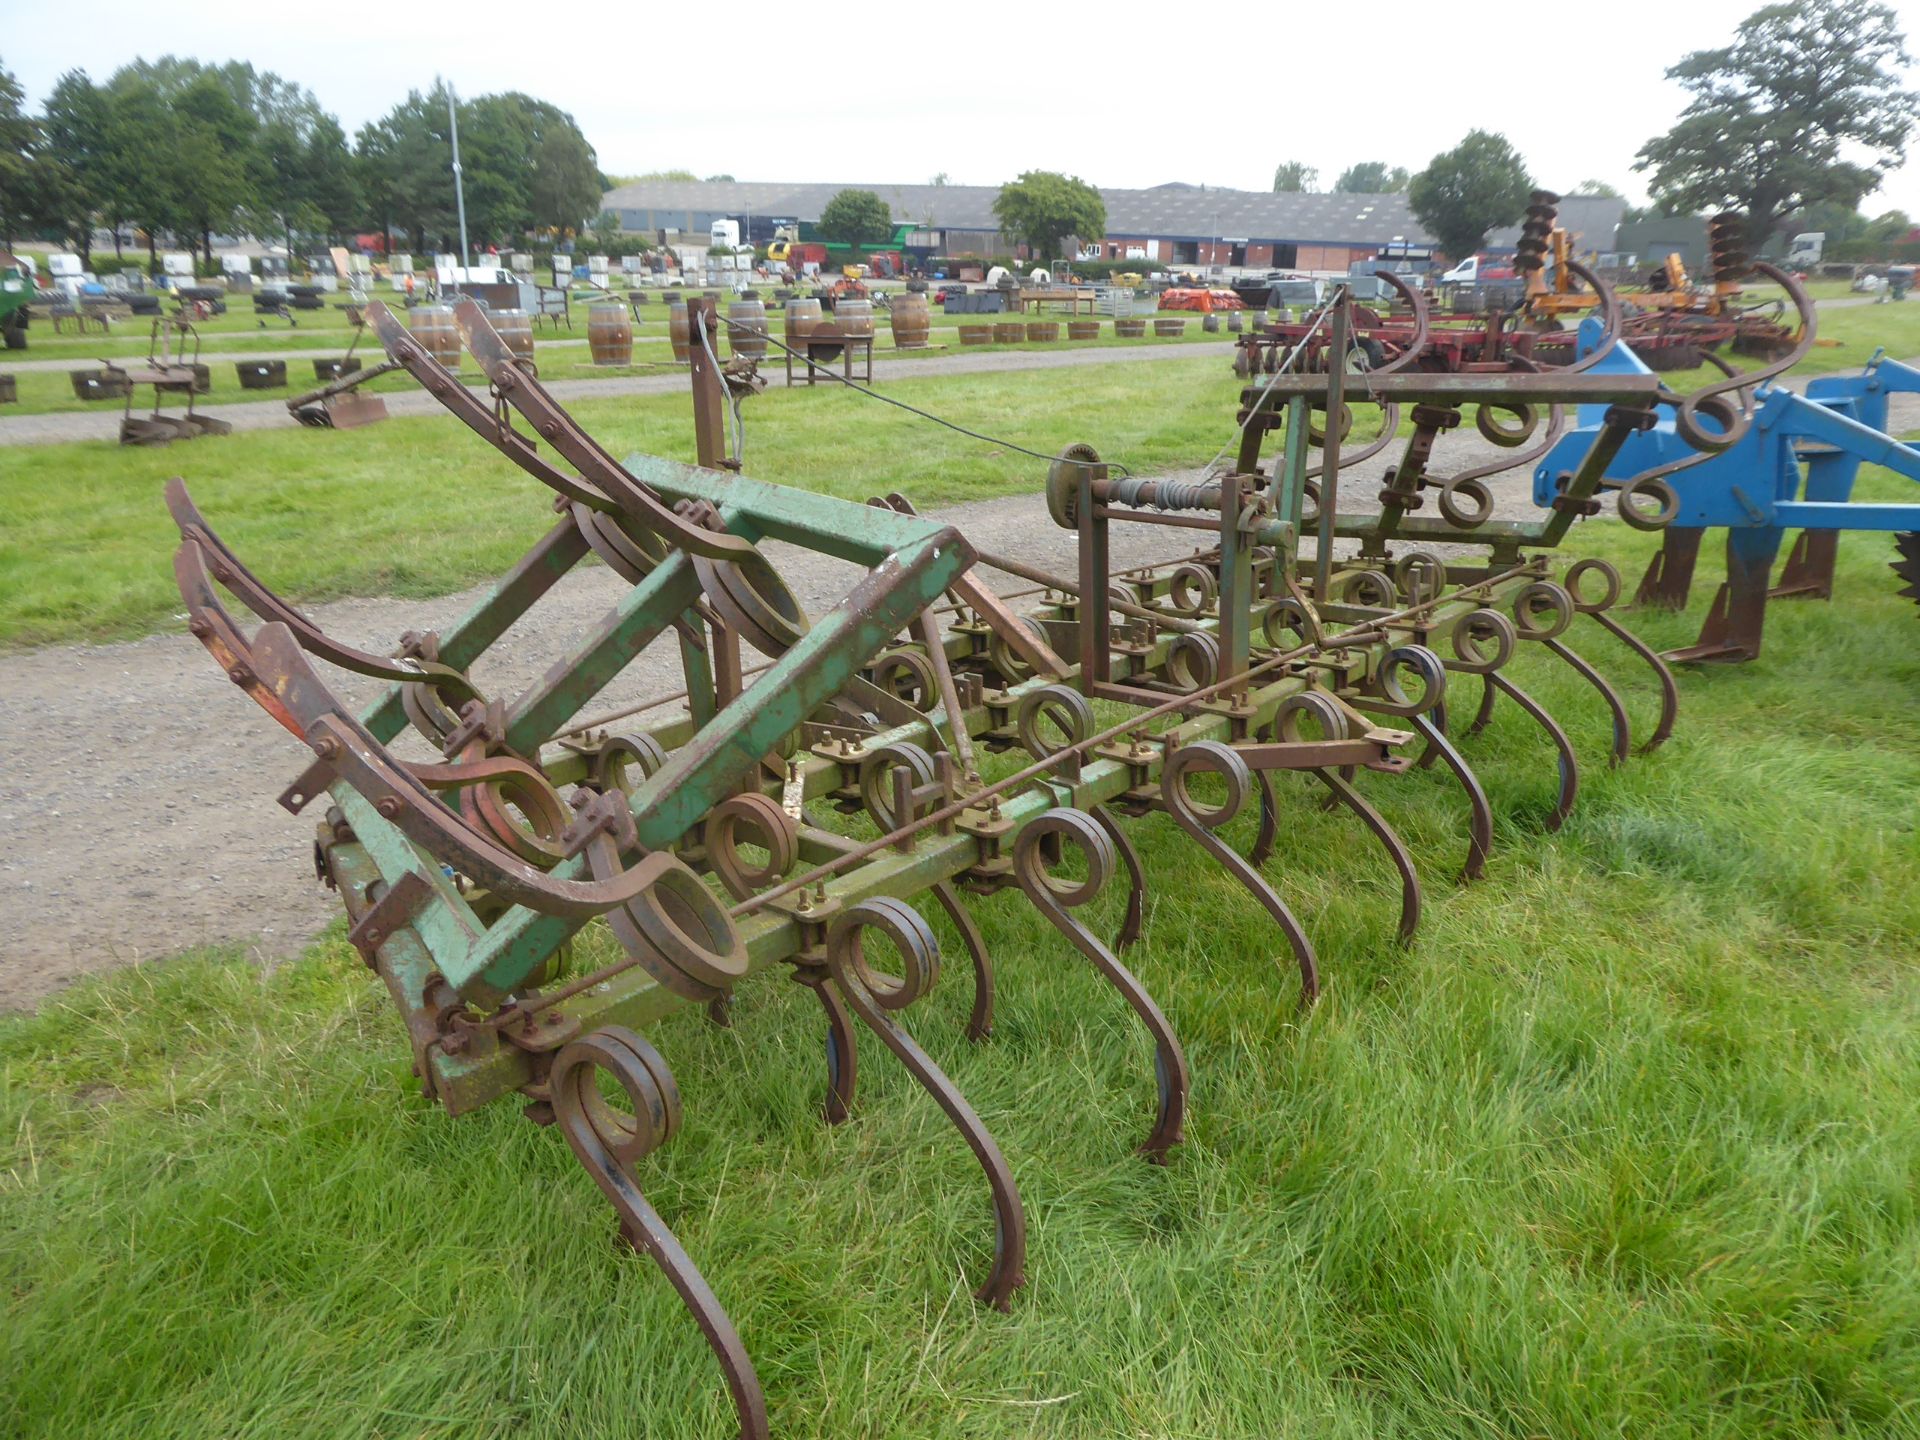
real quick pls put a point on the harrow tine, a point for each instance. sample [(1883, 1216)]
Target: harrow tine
[(1054, 899), (1622, 728), (1480, 824), (872, 997), (1390, 840), (1136, 877), (1211, 757), (980, 1021), (1600, 609), (842, 1045), (1669, 691), (1569, 764), (607, 1146)]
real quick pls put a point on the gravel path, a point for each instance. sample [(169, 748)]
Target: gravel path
[(60, 428)]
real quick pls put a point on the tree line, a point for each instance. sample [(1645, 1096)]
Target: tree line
[(1801, 116), (174, 147)]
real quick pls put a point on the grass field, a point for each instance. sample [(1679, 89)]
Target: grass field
[(324, 513), (1626, 1144)]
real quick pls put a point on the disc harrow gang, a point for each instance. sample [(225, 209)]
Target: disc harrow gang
[(987, 750)]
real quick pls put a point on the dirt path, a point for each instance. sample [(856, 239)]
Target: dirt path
[(62, 427)]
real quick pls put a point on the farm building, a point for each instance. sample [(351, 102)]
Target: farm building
[(1172, 224)]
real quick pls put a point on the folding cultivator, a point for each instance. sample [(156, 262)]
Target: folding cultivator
[(713, 846)]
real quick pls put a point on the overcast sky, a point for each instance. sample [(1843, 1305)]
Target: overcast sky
[(1098, 93)]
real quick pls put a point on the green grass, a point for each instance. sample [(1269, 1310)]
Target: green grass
[(320, 513), (1626, 1144)]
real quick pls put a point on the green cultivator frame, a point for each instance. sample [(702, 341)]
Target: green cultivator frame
[(915, 744)]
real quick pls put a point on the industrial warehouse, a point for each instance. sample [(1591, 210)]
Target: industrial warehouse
[(1176, 224)]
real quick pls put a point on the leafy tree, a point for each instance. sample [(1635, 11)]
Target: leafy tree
[(854, 216), (1598, 187), (211, 161), (20, 162), (1370, 177), (1890, 228), (679, 175), (1043, 207), (1804, 106), (1294, 177), (1479, 185), (720, 179), (405, 161), (75, 178), (606, 232), (565, 186), (939, 177)]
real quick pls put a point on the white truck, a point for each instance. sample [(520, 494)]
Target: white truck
[(1805, 250)]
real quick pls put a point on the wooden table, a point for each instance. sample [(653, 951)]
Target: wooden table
[(826, 337), (1074, 300)]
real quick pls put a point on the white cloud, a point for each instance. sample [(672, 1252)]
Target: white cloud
[(1120, 101)]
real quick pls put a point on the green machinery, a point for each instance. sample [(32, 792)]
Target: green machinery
[(916, 743)]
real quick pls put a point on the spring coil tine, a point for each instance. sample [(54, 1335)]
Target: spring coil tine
[(1569, 790), (1616, 709), (873, 998), (1599, 609), (1433, 728), (1056, 899), (1390, 841), (1222, 760), (980, 1020), (607, 1147), (1130, 924)]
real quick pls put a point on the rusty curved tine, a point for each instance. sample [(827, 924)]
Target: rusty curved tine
[(232, 572), (1390, 841), (582, 451), (1556, 425), (1055, 899), (446, 387), (608, 1145), (872, 997), (1611, 315), (1669, 691), (1569, 764), (980, 1021), (1212, 757), (1136, 876), (1480, 813), (1417, 301), (1261, 850), (1485, 713), (1622, 727), (212, 625), (341, 742), (842, 1044)]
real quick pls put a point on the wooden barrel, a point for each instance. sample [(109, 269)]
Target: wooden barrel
[(516, 328), (610, 334), (679, 328), (433, 327), (976, 334), (1169, 328), (9, 390), (1083, 329), (747, 328), (854, 317), (1008, 333), (910, 320), (1130, 329), (1043, 331), (802, 317)]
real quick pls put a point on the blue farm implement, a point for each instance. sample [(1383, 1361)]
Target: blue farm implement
[(1791, 465)]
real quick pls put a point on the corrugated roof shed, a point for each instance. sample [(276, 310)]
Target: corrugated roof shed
[(1174, 211)]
